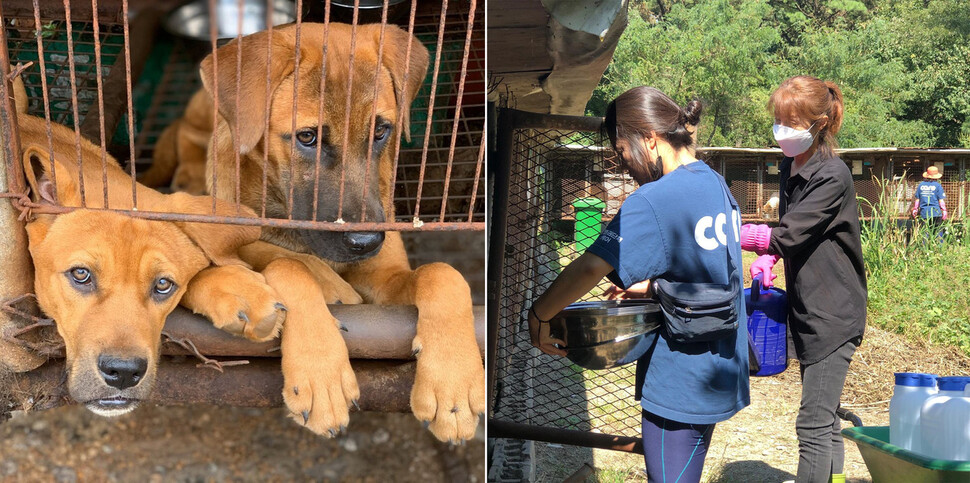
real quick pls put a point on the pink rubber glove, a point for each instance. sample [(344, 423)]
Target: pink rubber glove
[(755, 238), (763, 266), (943, 209)]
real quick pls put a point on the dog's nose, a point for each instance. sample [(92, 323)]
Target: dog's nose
[(363, 241), (122, 373)]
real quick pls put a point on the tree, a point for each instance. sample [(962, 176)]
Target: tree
[(903, 65), (717, 51)]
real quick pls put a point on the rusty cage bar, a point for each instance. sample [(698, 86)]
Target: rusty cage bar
[(109, 71)]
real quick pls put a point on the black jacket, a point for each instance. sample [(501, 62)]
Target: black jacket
[(819, 238)]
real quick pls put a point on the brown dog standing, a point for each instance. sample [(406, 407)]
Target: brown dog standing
[(449, 389)]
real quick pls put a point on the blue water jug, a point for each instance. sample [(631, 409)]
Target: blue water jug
[(768, 326)]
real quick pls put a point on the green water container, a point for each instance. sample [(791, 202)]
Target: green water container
[(589, 221)]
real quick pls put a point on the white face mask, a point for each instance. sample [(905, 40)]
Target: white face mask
[(793, 141)]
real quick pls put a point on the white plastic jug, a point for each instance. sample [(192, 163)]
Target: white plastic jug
[(945, 421), (911, 391)]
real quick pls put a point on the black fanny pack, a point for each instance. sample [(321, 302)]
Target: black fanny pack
[(698, 312), (701, 312)]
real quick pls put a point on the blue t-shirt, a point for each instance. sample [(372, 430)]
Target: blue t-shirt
[(930, 193), (678, 228)]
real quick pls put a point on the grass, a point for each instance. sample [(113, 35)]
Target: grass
[(917, 284)]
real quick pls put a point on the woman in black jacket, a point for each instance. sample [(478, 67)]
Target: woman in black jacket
[(818, 236)]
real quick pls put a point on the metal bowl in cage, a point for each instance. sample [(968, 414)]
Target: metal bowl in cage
[(605, 334), (368, 11), (192, 20)]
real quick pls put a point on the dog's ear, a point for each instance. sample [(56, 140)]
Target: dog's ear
[(247, 124), (219, 242), (37, 169), (395, 60)]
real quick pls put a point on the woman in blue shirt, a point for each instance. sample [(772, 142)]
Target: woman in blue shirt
[(679, 225)]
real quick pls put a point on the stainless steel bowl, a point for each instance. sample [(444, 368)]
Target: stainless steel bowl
[(368, 11), (607, 333), (611, 354), (192, 19)]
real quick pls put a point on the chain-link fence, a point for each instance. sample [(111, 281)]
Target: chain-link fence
[(553, 172)]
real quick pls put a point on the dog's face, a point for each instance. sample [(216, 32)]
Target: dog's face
[(338, 166), (110, 281)]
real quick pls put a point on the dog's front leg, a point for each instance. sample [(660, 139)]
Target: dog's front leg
[(449, 386), (335, 288), (236, 300), (319, 385)]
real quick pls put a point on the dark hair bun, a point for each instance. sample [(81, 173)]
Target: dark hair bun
[(692, 112)]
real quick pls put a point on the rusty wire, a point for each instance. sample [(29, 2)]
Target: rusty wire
[(13, 336), (296, 91), (235, 139), (43, 82), (478, 173), (458, 99), (213, 34), (131, 108), (350, 83), (207, 362), (400, 115), (8, 120), (97, 60), (77, 122), (373, 112), (323, 93), (427, 127), (269, 82)]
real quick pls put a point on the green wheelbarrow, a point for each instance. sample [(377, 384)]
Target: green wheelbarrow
[(890, 463)]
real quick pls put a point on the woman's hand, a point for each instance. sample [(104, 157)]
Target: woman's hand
[(763, 267), (636, 291), (539, 334)]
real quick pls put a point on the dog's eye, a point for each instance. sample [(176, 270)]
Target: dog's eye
[(164, 286), (381, 131), (307, 138), (81, 275)]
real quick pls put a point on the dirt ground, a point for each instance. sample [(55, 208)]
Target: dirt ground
[(208, 443), (759, 443)]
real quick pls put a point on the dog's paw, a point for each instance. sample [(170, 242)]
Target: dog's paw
[(319, 386), (238, 300), (255, 318), (449, 389)]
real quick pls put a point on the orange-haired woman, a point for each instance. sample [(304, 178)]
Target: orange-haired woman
[(818, 236)]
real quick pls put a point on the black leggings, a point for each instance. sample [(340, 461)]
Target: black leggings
[(674, 452)]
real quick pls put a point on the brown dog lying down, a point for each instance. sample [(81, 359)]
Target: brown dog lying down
[(109, 280), (449, 388)]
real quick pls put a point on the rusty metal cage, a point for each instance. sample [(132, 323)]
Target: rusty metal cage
[(438, 174), (110, 72)]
